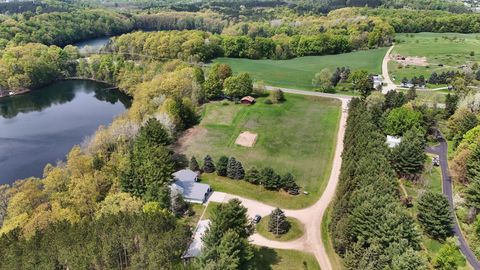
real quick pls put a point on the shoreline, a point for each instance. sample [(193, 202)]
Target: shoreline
[(10, 93)]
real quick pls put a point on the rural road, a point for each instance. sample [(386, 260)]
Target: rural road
[(311, 217), (386, 77), (442, 151)]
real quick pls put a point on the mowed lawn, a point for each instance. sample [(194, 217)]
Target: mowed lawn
[(298, 72), (297, 136), (451, 53), (280, 259)]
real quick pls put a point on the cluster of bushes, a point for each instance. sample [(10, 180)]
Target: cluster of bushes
[(443, 78), (276, 96), (415, 81), (233, 169)]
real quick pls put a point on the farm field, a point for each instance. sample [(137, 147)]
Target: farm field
[(298, 72), (296, 136), (448, 49)]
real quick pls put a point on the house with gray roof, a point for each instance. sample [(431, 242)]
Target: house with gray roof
[(186, 183)]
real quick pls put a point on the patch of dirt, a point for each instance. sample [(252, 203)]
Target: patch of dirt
[(186, 138), (411, 60), (246, 139)]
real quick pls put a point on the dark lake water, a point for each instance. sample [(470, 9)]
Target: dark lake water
[(42, 126)]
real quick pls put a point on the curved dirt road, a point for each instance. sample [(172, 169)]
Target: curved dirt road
[(386, 77), (311, 217)]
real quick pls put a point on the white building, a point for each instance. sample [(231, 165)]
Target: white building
[(195, 247), (186, 183), (393, 141)]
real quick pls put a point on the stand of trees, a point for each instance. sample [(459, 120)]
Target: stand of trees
[(145, 240), (371, 231)]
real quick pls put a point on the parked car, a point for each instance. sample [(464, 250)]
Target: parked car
[(257, 219), (293, 191), (436, 161)]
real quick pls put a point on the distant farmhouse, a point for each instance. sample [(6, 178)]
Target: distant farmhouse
[(186, 183)]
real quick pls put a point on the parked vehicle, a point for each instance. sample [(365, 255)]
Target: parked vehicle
[(257, 219), (436, 161)]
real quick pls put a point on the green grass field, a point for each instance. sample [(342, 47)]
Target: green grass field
[(299, 72), (295, 231), (279, 259), (297, 136), (450, 49)]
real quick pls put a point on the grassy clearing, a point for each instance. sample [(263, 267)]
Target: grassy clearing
[(428, 97), (327, 241), (279, 259), (297, 136), (296, 230), (451, 52), (299, 72), (210, 208), (193, 220)]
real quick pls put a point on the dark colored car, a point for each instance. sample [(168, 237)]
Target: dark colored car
[(257, 219), (436, 161)]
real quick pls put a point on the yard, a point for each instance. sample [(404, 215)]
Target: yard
[(279, 259), (298, 72), (296, 136), (295, 231), (451, 50)]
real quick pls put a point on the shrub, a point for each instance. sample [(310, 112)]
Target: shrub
[(268, 101)]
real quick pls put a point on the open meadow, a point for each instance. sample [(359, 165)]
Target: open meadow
[(442, 52), (296, 136), (299, 72)]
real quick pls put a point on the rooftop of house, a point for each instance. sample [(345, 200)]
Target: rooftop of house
[(393, 141), (193, 190), (185, 175)]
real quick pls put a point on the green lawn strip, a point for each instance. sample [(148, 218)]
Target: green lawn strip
[(335, 260), (210, 208), (298, 72), (193, 220), (297, 136), (280, 259), (296, 230), (428, 97)]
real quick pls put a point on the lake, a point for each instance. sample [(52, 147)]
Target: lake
[(42, 126)]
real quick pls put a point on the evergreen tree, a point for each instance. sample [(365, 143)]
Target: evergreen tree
[(435, 215), (222, 166), (288, 182), (278, 223), (412, 93), (154, 132), (253, 176), (231, 168), (450, 105), (234, 252), (408, 157), (239, 171), (208, 165), (178, 206), (230, 221), (473, 175), (270, 179), (194, 164)]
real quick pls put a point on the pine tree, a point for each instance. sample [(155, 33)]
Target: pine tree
[(253, 176), (222, 166), (435, 215), (288, 182), (239, 171), (194, 164), (408, 157), (278, 223), (208, 165), (154, 132), (231, 168), (178, 205), (270, 179)]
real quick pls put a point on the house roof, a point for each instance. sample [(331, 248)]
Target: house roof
[(393, 141), (196, 246), (248, 98), (185, 175), (193, 190)]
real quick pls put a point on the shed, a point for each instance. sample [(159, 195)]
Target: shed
[(195, 247), (248, 100)]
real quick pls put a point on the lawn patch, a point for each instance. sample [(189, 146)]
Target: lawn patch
[(296, 230), (279, 259), (297, 136)]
